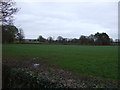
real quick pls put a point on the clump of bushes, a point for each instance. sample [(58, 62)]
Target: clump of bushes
[(20, 78), (14, 77)]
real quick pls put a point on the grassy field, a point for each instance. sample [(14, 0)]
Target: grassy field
[(98, 61)]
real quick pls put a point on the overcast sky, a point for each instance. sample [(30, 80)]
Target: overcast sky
[(70, 20)]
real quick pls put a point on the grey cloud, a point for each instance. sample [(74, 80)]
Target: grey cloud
[(67, 19)]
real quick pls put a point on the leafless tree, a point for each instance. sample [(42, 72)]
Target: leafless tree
[(7, 9), (20, 35)]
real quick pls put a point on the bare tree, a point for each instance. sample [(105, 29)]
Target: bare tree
[(41, 39), (50, 39), (7, 9), (20, 35)]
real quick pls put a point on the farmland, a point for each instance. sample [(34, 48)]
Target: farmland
[(98, 61)]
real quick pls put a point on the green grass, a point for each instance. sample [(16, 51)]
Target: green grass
[(98, 61)]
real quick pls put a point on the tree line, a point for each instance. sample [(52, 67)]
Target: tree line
[(96, 39), (12, 34)]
